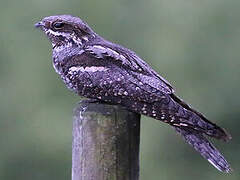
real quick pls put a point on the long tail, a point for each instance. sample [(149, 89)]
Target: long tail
[(205, 148), (192, 125)]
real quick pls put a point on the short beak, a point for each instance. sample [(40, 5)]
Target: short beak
[(39, 24)]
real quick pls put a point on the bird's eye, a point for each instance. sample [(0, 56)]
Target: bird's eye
[(58, 25)]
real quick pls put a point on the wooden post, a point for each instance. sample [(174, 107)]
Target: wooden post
[(105, 142)]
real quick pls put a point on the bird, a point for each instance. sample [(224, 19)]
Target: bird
[(98, 69)]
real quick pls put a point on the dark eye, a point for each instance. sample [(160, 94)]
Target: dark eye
[(58, 25)]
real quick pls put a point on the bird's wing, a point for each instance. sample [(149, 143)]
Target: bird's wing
[(140, 74), (155, 88), (133, 64)]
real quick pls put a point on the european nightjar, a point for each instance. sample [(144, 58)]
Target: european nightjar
[(98, 69)]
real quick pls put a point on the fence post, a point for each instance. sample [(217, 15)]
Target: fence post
[(105, 142)]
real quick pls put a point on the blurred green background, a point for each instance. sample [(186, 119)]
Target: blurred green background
[(194, 44)]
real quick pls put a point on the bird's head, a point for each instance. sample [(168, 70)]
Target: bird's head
[(65, 30)]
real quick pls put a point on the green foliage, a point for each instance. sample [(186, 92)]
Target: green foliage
[(193, 44)]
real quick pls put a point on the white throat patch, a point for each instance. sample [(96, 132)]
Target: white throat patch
[(62, 47)]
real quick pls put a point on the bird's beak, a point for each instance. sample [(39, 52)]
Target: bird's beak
[(39, 24)]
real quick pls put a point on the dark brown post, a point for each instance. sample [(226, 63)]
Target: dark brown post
[(105, 143)]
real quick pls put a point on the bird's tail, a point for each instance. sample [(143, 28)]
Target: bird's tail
[(205, 148)]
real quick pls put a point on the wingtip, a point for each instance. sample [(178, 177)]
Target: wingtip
[(226, 137)]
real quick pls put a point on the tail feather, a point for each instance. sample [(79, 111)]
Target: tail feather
[(205, 148)]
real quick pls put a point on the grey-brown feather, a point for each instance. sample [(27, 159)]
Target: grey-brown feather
[(96, 68)]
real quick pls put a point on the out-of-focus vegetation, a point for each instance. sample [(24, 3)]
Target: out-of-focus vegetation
[(193, 44)]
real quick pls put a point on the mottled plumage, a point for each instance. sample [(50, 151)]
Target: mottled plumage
[(98, 69)]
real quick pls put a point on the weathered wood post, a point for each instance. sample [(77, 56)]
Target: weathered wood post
[(105, 142)]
